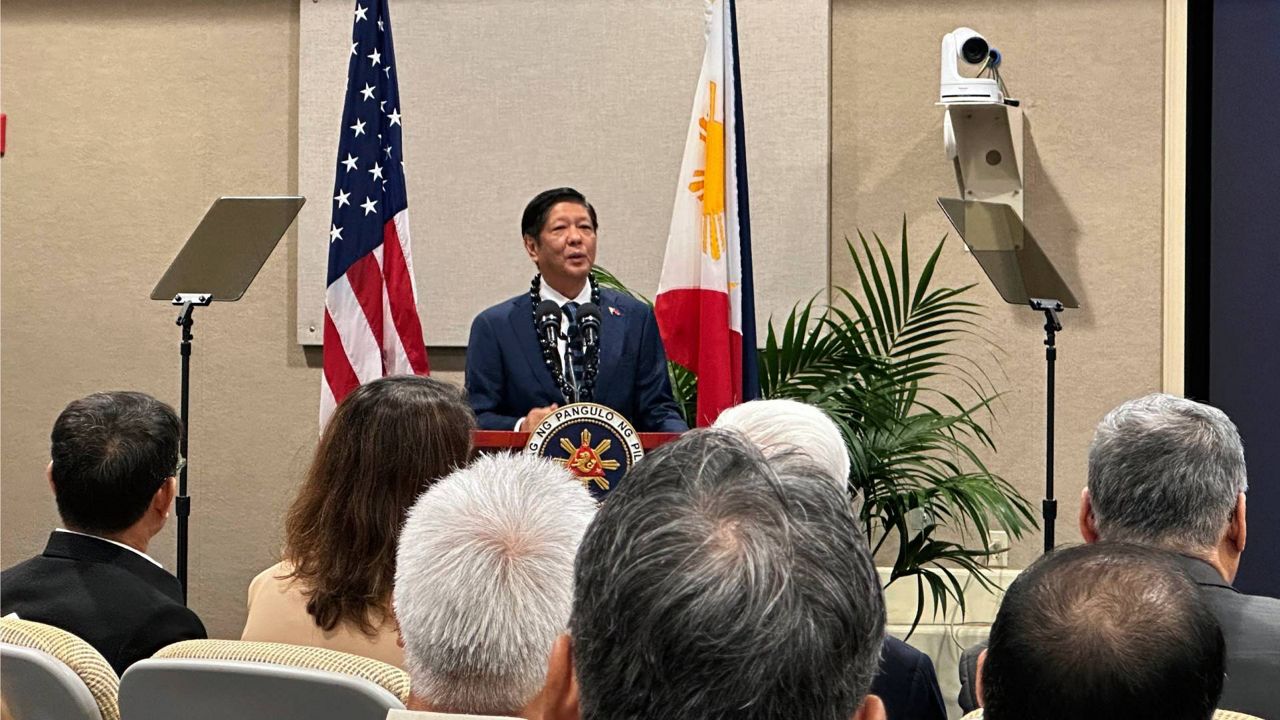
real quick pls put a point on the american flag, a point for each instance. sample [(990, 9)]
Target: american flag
[(371, 326)]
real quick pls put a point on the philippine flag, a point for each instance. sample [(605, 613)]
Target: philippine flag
[(705, 304)]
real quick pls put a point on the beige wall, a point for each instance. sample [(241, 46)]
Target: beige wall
[(1093, 196), (125, 124)]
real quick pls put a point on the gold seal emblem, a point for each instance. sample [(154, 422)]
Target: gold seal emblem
[(586, 462), (592, 441)]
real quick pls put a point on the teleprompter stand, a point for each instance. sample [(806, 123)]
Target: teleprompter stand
[(1023, 275), (218, 262)]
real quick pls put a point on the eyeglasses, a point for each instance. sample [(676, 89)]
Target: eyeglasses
[(182, 464)]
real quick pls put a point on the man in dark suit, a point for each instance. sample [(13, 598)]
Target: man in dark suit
[(515, 378), (113, 473), (1169, 472)]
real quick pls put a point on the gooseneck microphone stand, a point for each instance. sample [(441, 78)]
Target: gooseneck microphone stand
[(1052, 326)]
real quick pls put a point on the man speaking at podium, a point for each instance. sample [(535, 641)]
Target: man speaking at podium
[(567, 339)]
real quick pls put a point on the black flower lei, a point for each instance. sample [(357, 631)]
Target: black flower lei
[(591, 354)]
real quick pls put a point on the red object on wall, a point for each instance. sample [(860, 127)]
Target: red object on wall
[(3, 122)]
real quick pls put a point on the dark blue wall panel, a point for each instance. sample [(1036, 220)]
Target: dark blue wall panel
[(1244, 267)]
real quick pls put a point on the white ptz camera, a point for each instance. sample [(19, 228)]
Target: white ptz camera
[(965, 45)]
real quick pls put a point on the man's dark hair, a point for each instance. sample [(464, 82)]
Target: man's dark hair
[(714, 583), (1103, 630), (536, 212), (111, 452)]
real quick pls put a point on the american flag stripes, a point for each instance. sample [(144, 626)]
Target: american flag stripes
[(371, 325)]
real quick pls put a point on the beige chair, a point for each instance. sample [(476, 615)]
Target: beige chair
[(216, 679), (1219, 715), (36, 658)]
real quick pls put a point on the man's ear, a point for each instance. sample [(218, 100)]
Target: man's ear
[(531, 247), (1237, 529), (48, 477), (561, 690), (977, 681), (872, 708), (1088, 522), (163, 499)]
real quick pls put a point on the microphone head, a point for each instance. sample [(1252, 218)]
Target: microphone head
[(548, 313), (589, 315)]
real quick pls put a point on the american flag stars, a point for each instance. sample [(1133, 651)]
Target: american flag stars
[(371, 140)]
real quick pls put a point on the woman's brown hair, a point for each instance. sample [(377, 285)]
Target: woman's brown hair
[(387, 442)]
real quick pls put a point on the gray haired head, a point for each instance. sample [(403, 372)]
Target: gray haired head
[(782, 425), (1165, 470), (714, 583), (484, 576)]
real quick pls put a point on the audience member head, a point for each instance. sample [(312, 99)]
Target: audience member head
[(1103, 630), (716, 583), (778, 426), (484, 583), (1168, 472), (388, 441), (114, 458)]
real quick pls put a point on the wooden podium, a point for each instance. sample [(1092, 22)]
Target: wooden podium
[(499, 440)]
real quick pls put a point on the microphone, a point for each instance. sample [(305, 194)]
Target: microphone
[(548, 314), (589, 323)]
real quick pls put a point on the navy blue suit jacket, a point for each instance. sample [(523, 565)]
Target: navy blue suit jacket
[(506, 376), (907, 683)]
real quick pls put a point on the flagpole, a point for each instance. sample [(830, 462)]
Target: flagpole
[(750, 365)]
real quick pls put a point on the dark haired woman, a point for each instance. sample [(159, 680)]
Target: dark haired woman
[(387, 442)]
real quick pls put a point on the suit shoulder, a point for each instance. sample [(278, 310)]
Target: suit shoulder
[(17, 575), (623, 302), (1263, 607), (502, 309), (19, 569), (900, 653)]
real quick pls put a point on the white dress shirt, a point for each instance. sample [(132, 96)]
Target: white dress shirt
[(134, 550)]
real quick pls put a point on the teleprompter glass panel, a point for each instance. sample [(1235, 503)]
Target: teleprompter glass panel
[(1007, 252), (229, 247)]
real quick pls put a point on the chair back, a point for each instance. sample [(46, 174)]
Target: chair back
[(50, 674), (218, 679), (1217, 715), (36, 686)]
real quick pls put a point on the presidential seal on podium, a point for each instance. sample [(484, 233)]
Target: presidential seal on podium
[(596, 443)]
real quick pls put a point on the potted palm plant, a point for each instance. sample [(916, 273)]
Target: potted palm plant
[(885, 361)]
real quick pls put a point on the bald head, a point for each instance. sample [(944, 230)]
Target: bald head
[(1103, 630)]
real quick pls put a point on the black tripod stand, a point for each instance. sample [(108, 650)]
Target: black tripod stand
[(182, 503), (1052, 326), (220, 259)]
